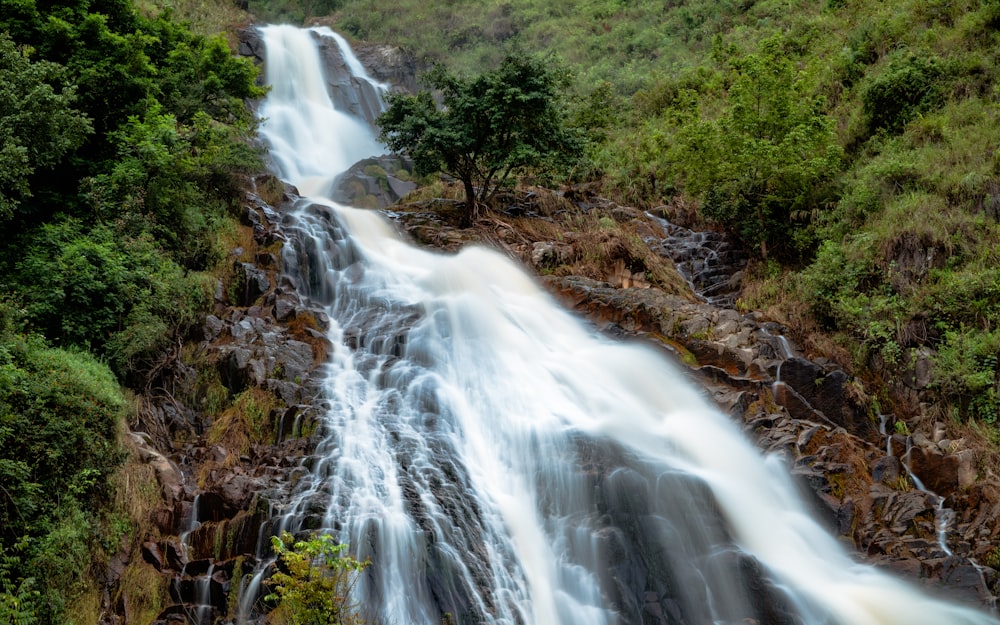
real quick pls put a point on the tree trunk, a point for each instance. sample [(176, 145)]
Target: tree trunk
[(763, 232), (471, 213)]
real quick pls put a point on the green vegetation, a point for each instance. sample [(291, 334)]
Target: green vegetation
[(59, 416), (851, 144), (123, 147), (314, 584), (490, 128), (763, 164)]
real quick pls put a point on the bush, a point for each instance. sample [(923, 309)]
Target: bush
[(121, 296), (315, 584), (965, 373), (59, 416), (763, 166), (908, 86)]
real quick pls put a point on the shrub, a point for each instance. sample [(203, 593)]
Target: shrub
[(315, 584), (908, 86)]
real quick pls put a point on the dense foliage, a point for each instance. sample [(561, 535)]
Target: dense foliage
[(60, 412), (490, 128), (123, 142)]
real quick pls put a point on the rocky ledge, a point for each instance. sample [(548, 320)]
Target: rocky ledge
[(225, 423)]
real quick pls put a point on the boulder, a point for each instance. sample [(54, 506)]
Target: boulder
[(938, 472)]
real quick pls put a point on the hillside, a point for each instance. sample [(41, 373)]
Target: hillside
[(852, 145)]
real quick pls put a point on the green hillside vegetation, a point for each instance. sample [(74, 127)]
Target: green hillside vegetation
[(123, 152), (852, 145)]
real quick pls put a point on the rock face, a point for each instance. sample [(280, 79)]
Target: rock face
[(223, 429), (358, 97), (389, 67), (374, 182)]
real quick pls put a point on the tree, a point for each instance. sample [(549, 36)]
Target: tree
[(316, 588), (38, 122), (490, 128), (761, 166)]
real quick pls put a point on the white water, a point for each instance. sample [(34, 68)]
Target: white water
[(499, 462)]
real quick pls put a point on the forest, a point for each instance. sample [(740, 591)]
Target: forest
[(125, 140)]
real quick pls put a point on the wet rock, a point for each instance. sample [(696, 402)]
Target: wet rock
[(825, 392), (374, 182), (939, 472), (388, 64), (251, 44)]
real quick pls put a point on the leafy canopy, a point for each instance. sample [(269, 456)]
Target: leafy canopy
[(490, 127), (38, 121)]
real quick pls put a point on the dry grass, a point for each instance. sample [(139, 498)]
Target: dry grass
[(206, 18), (984, 441), (85, 608), (143, 589), (137, 492), (299, 327), (246, 422)]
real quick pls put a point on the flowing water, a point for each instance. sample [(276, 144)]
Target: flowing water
[(499, 463)]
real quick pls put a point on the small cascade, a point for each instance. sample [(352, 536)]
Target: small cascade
[(710, 263), (193, 588), (942, 516)]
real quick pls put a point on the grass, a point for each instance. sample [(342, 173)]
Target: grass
[(205, 17), (144, 589), (247, 421)]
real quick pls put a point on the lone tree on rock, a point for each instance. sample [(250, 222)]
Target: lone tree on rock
[(489, 128)]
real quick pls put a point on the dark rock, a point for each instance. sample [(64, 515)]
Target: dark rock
[(250, 283), (350, 94), (213, 327), (389, 65), (284, 308), (151, 554), (233, 369), (938, 472), (251, 44), (550, 255), (887, 470), (295, 358), (373, 179), (163, 519), (174, 555), (825, 392)]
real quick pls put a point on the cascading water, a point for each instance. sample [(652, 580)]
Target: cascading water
[(501, 464)]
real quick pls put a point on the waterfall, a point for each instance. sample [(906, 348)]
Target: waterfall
[(500, 463)]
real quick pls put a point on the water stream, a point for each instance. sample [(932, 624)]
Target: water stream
[(501, 464)]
